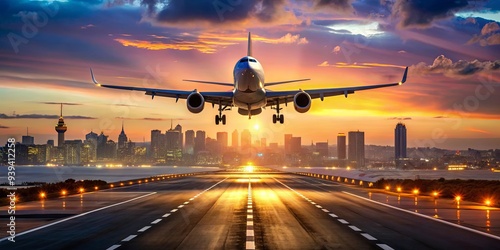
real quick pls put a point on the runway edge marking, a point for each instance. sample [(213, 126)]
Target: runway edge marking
[(427, 217)]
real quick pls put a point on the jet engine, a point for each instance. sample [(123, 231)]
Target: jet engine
[(302, 102), (195, 102)]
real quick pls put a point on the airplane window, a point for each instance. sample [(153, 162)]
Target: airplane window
[(244, 60), (252, 60)]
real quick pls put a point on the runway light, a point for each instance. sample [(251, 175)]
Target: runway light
[(458, 198), (63, 192), (139, 181), (81, 190), (435, 194), (42, 195), (96, 188), (130, 183), (415, 191), (112, 185), (387, 188), (399, 189), (121, 184)]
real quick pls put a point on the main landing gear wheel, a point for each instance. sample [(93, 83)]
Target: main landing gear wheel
[(279, 118), (219, 119)]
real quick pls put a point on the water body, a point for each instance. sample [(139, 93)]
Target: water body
[(109, 174)]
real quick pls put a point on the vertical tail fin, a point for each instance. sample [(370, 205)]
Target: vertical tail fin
[(249, 45)]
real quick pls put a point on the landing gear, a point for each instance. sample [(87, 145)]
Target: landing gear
[(220, 117), (277, 116)]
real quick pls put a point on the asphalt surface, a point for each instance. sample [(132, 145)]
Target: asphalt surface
[(216, 211)]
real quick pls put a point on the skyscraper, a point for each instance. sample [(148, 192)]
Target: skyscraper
[(60, 128), (341, 146), (122, 139), (246, 141), (235, 140), (199, 141), (181, 136), (222, 140), (288, 144), (400, 141), (356, 153), (189, 145), (27, 139)]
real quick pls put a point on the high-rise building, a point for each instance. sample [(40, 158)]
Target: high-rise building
[(61, 129), (400, 141), (189, 145), (122, 139), (222, 140), (246, 141), (235, 140), (28, 140), (158, 145), (73, 151), (199, 141), (181, 136), (287, 143), (341, 146), (263, 143), (173, 145), (89, 153), (101, 145), (296, 145), (356, 153)]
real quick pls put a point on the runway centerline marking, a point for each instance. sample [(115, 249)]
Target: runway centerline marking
[(156, 221), (368, 236), (80, 215), (385, 247), (143, 229), (130, 237), (250, 233), (113, 247)]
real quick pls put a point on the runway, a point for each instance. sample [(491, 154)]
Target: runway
[(231, 210)]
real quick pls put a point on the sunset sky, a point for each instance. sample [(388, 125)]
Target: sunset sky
[(451, 99)]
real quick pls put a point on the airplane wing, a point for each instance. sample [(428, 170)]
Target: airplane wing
[(282, 82), (225, 98), (215, 83), (275, 97)]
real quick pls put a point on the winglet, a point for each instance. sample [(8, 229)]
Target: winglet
[(404, 77), (249, 53), (93, 78)]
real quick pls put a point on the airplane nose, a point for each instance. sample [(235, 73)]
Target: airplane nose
[(248, 81)]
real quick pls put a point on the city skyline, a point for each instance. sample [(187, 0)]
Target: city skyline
[(365, 42)]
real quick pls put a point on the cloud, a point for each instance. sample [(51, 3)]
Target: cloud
[(150, 119), (399, 118), (490, 35), (207, 43), (42, 116), (339, 6), (440, 117), (220, 12), (446, 66), (63, 103), (3, 127), (421, 14), (360, 65)]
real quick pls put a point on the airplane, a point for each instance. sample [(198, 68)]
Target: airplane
[(250, 94)]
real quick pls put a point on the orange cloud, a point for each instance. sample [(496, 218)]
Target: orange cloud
[(359, 65), (207, 43)]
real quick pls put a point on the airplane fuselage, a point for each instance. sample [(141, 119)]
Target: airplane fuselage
[(249, 92)]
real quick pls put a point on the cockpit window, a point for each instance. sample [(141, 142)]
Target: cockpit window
[(252, 60), (244, 60)]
